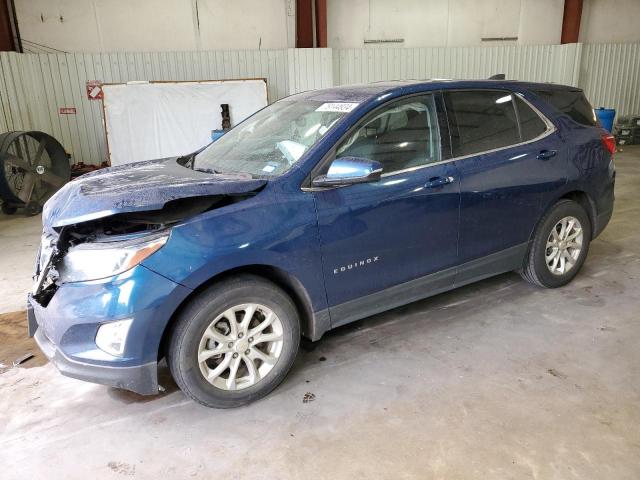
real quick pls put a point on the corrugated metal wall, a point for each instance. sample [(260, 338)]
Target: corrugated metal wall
[(542, 63), (34, 86), (610, 76), (309, 69)]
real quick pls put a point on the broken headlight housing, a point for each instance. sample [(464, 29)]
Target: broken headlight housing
[(93, 261)]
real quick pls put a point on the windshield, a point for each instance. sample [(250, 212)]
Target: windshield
[(270, 142)]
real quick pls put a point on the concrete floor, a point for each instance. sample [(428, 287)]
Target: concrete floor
[(19, 241), (495, 380)]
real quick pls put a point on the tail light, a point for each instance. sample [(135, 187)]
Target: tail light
[(609, 142)]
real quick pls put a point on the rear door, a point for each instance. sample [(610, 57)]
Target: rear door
[(579, 126), (505, 152), (588, 163)]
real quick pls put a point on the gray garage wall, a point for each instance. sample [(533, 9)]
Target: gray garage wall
[(34, 86)]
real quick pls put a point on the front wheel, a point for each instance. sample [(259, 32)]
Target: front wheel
[(8, 210), (559, 247), (234, 342)]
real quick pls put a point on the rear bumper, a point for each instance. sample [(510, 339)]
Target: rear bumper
[(142, 379), (602, 221), (605, 200)]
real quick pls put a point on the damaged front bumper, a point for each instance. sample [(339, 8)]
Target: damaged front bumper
[(66, 328), (142, 379)]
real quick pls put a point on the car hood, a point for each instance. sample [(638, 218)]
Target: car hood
[(136, 187)]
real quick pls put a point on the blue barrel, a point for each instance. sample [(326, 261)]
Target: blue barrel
[(606, 117), (216, 134)]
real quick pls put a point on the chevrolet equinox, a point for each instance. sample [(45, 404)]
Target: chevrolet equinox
[(321, 209)]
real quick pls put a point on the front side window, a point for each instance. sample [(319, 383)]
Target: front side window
[(270, 142), (481, 121), (402, 135)]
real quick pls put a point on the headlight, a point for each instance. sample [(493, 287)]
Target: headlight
[(112, 336), (92, 261)]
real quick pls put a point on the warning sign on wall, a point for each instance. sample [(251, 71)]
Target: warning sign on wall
[(67, 110), (94, 90)]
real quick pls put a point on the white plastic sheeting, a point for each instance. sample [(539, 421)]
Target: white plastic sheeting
[(145, 121)]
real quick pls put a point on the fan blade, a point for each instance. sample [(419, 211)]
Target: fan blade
[(41, 145), (18, 162), (27, 187), (52, 179)]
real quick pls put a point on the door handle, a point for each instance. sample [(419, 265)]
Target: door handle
[(435, 182), (546, 154)]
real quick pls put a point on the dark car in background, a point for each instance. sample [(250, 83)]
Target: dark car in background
[(324, 208), (627, 130)]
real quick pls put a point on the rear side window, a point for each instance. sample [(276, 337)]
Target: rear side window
[(572, 103), (481, 120), (531, 125)]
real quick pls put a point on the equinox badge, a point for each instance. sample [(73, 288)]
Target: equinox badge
[(357, 264)]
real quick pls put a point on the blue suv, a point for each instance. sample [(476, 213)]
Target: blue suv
[(323, 208)]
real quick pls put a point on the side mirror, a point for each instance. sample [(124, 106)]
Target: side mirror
[(348, 171)]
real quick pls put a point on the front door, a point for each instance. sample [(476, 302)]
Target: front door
[(378, 238)]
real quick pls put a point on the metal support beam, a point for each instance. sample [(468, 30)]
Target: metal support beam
[(304, 24), (321, 23), (9, 34), (571, 21)]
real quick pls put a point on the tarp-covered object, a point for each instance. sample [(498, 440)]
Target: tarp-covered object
[(146, 121)]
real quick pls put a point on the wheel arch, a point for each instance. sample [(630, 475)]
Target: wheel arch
[(582, 198), (312, 324)]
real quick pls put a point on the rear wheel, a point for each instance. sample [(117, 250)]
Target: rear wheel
[(560, 246), (235, 342)]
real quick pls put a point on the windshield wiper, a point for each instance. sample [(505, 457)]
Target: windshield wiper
[(208, 170), (190, 159), (186, 160)]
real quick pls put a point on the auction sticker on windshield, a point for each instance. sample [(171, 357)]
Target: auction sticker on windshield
[(337, 107)]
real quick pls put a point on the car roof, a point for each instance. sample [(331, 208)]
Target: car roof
[(368, 91)]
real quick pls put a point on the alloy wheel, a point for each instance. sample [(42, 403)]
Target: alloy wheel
[(240, 346), (564, 245)]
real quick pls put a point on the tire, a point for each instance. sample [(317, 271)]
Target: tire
[(536, 270), (210, 312), (7, 210), (33, 208)]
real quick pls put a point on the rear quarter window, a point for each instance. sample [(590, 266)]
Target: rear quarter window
[(570, 102), (531, 124)]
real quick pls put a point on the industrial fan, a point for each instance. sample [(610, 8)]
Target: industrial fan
[(33, 166)]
